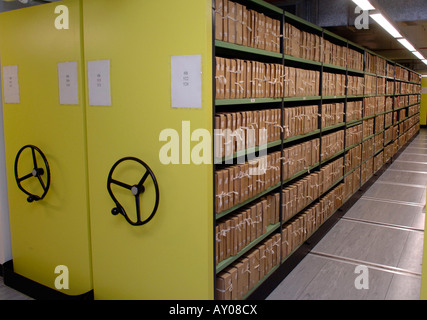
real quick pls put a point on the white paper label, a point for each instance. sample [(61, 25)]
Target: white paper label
[(187, 82), (424, 90), (99, 83), (11, 84), (68, 85)]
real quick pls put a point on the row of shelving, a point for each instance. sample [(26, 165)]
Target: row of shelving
[(239, 27), (227, 47), (248, 101), (249, 79), (241, 132), (234, 182), (304, 210), (237, 184), (299, 128)]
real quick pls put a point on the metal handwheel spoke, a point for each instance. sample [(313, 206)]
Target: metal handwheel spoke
[(143, 178), (25, 177), (33, 151), (42, 183), (121, 184), (138, 209)]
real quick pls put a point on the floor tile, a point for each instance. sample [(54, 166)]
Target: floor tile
[(396, 192), (7, 293), (335, 280), (416, 150), (405, 177), (388, 213), (300, 277), (406, 166), (365, 242), (412, 254), (413, 158), (404, 287)]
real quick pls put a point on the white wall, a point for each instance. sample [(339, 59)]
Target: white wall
[(5, 242)]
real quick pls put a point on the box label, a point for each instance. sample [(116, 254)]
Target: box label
[(11, 84), (68, 85), (99, 83), (186, 81)]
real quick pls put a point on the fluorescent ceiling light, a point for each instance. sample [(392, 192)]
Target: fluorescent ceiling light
[(418, 55), (407, 45), (383, 22), (364, 4), (425, 61)]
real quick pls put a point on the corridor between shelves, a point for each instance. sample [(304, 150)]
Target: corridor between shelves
[(383, 231)]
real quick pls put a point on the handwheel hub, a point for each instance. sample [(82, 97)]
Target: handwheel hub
[(135, 190)]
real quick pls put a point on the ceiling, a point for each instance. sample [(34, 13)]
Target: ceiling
[(7, 5), (338, 16)]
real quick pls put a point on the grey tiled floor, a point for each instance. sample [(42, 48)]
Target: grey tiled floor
[(383, 231), (7, 293)]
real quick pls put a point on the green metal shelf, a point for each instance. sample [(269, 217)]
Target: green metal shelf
[(302, 21), (352, 146), (245, 152), (333, 97), (370, 74), (356, 71), (244, 49), (351, 171), (337, 37), (301, 60), (369, 117), (409, 105), (354, 123), (417, 83), (364, 161), (336, 155), (368, 138), (241, 205), (268, 6), (378, 152), (381, 76), (225, 263), (293, 99), (381, 113), (292, 139), (332, 66), (377, 133), (261, 281), (231, 102), (299, 174), (338, 181), (339, 125), (406, 94)]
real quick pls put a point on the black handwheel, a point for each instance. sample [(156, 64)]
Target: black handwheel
[(136, 191), (36, 172)]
